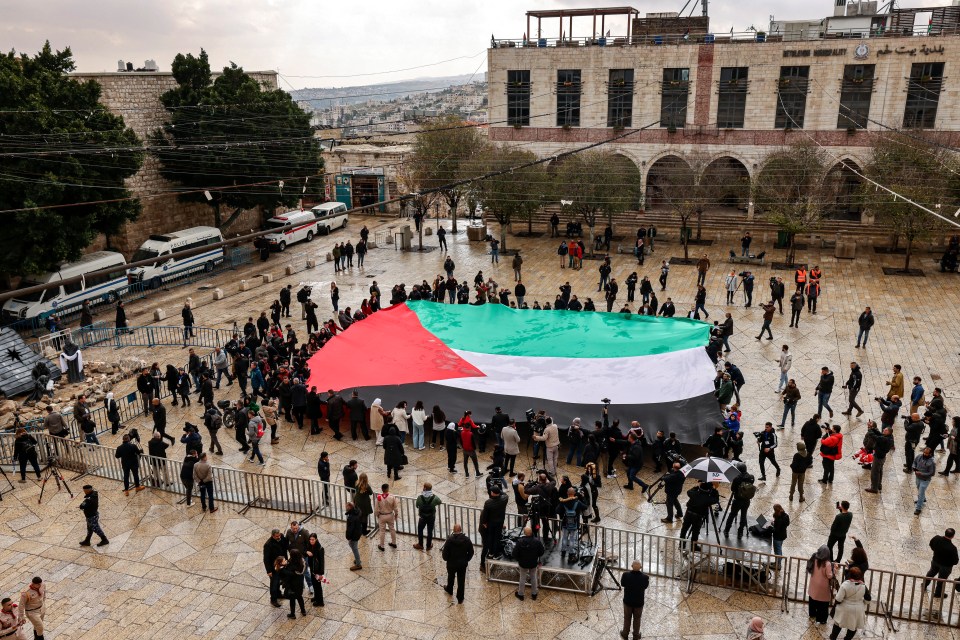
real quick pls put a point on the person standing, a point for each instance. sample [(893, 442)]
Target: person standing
[(293, 575), (819, 592), (730, 284), (767, 442), (953, 446), (831, 450), (742, 490), (768, 310), (335, 406), (203, 477), (25, 452), (852, 385), (492, 517), (777, 292), (90, 505), (527, 553), (796, 306), (839, 529), (159, 413), (703, 265), (145, 387), (924, 467), (790, 396), (457, 553), (357, 409), (468, 443), (882, 444), (121, 318), (745, 244), (274, 548), (517, 266), (186, 474), (850, 612), (33, 607), (511, 446), (494, 251), (551, 440), (798, 470), (786, 361), (442, 238), (604, 271), (865, 322), (387, 511), (672, 487), (916, 394), (354, 532), (393, 452), (426, 504), (187, 314), (10, 625), (824, 390), (944, 559), (781, 521), (634, 583), (896, 383), (664, 273), (129, 456), (314, 556)]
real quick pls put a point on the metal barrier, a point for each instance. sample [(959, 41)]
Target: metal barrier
[(894, 595)]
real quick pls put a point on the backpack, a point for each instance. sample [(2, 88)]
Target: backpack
[(870, 440), (563, 249), (260, 429), (570, 519), (427, 508), (747, 490)]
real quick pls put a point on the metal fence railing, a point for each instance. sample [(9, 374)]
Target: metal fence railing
[(895, 596)]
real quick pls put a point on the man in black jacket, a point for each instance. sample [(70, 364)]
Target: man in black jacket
[(736, 377), (672, 486), (742, 491), (810, 433), (285, 295), (796, 306), (335, 406), (457, 552), (824, 390), (354, 533), (350, 475), (702, 498), (715, 444), (767, 442), (498, 422), (492, 517), (912, 433), (91, 511), (635, 583), (527, 553), (146, 389), (865, 322), (358, 416), (852, 385), (944, 560), (160, 420), (129, 456), (275, 547), (777, 292), (186, 474)]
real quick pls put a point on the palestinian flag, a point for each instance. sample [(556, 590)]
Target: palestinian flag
[(460, 357)]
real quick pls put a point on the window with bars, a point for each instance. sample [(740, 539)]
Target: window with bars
[(674, 94), (856, 91), (620, 98), (732, 97), (518, 98), (568, 97), (923, 95), (792, 97)]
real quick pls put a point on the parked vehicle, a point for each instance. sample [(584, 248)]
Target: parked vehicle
[(330, 216), (306, 227), (166, 267), (95, 288)]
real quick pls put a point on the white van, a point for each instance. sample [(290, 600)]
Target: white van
[(330, 216), (166, 268), (68, 297), (305, 230)]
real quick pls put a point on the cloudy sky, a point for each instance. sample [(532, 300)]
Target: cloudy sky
[(323, 43)]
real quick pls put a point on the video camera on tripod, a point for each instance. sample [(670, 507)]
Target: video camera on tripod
[(674, 456), (495, 479)]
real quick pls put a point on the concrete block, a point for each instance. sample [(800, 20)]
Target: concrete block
[(329, 257), (428, 231), (371, 244), (159, 314), (244, 285), (267, 278), (218, 294), (311, 263), (289, 270)]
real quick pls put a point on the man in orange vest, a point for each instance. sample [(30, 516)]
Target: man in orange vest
[(800, 277)]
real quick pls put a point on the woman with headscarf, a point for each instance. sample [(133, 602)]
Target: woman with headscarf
[(819, 591), (851, 611), (393, 452), (377, 415), (113, 412), (452, 439), (755, 629)]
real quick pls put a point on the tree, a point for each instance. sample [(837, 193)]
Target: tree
[(225, 134), (593, 181), (918, 169), (511, 194), (793, 190), (446, 150), (419, 203), (46, 114), (677, 184)]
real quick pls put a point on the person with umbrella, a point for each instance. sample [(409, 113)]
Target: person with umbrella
[(709, 472)]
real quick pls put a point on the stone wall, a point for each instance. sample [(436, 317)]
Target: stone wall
[(136, 97)]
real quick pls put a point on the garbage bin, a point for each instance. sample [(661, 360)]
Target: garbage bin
[(783, 239)]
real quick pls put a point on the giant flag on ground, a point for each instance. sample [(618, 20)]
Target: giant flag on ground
[(460, 357)]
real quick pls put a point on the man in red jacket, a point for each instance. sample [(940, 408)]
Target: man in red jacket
[(468, 442), (831, 450)]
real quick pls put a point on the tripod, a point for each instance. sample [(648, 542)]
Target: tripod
[(659, 487), (53, 471), (7, 478)]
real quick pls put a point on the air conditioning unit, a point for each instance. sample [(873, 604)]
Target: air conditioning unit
[(151, 65), (121, 65)]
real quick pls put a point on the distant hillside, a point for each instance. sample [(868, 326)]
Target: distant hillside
[(324, 98)]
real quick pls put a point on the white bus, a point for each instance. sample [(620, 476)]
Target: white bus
[(305, 230), (68, 297), (330, 216), (165, 267)]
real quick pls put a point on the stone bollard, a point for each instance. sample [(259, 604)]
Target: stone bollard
[(311, 263), (244, 285), (218, 294), (428, 231), (329, 257), (159, 314), (267, 278), (371, 244), (289, 270)]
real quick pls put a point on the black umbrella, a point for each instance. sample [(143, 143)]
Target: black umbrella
[(711, 470)]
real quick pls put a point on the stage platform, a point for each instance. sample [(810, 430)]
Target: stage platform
[(746, 563), (554, 574)]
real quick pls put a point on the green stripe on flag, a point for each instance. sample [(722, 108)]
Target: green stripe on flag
[(497, 329)]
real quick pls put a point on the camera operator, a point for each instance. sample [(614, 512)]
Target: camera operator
[(882, 444), (672, 486), (578, 440), (491, 524), (742, 491), (747, 282), (701, 499), (913, 429), (889, 410), (550, 437), (767, 442), (545, 504), (538, 424), (569, 511)]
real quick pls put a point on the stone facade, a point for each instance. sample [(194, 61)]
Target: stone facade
[(750, 145), (136, 97)]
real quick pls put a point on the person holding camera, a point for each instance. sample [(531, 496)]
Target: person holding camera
[(633, 460), (672, 486), (882, 444), (747, 280), (701, 499), (742, 490), (569, 512), (90, 505), (492, 517), (831, 450), (913, 428), (767, 442), (852, 385), (543, 502), (768, 310), (790, 397), (896, 383)]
